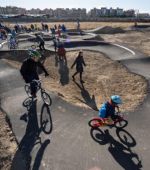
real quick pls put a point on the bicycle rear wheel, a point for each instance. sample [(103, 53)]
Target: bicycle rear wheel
[(46, 98), (27, 90), (46, 119), (95, 122)]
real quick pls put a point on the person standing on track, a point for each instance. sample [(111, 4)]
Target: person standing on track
[(79, 62), (41, 41)]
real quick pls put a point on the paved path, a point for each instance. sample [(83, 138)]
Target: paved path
[(73, 145)]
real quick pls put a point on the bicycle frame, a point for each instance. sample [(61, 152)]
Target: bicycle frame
[(44, 95), (99, 122), (39, 85)]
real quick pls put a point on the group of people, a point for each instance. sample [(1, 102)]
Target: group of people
[(59, 30), (8, 34), (29, 68), (29, 72), (3, 34)]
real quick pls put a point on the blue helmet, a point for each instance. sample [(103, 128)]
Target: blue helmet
[(116, 99)]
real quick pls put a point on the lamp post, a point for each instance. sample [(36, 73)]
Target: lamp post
[(136, 17)]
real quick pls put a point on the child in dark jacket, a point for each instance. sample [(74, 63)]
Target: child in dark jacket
[(29, 70)]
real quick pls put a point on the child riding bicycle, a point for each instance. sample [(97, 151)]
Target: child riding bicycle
[(107, 112), (29, 70)]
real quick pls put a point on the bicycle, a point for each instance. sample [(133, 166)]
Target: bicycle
[(119, 122), (44, 95)]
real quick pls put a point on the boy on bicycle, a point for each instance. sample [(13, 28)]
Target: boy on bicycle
[(108, 109), (29, 70)]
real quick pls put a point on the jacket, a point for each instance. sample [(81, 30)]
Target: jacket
[(106, 110), (29, 70)]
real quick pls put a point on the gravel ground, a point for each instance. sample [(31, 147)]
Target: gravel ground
[(8, 144)]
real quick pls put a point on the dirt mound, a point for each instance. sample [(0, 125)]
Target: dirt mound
[(100, 81), (109, 30)]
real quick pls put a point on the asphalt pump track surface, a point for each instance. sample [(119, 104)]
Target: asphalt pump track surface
[(72, 144)]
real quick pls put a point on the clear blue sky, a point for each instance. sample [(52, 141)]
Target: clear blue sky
[(142, 5)]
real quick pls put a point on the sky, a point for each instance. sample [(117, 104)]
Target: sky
[(141, 5)]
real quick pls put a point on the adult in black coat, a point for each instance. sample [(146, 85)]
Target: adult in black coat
[(79, 62)]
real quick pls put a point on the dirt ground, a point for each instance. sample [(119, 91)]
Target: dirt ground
[(103, 78), (100, 80), (99, 76), (85, 25), (7, 143)]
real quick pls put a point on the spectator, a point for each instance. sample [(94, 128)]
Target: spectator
[(41, 41), (59, 33), (62, 53), (46, 27), (32, 27)]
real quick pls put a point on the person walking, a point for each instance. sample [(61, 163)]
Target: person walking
[(79, 62), (41, 41)]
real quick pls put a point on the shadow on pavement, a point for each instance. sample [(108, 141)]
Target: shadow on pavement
[(23, 156), (63, 71), (39, 155), (88, 100), (121, 151)]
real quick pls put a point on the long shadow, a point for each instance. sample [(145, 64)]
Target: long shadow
[(46, 119), (56, 60), (23, 158), (39, 155), (125, 138), (63, 71), (121, 152), (88, 100)]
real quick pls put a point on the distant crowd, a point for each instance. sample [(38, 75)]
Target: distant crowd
[(19, 28)]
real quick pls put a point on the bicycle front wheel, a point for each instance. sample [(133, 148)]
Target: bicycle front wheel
[(46, 98), (121, 123)]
